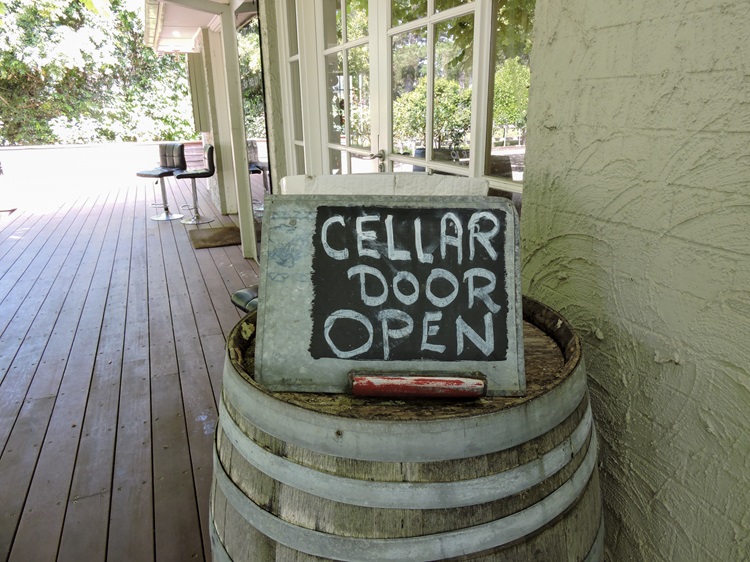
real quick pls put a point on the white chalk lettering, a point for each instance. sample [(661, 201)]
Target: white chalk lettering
[(429, 329), (363, 235), (350, 315), (439, 273), (393, 253), (486, 345), (420, 297), (363, 271), (404, 298), (385, 317), (448, 240), (484, 238), (335, 254), (483, 292), (421, 256)]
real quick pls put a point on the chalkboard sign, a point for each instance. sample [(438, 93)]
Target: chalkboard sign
[(390, 284), (409, 284)]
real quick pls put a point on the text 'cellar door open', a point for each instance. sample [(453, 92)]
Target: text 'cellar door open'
[(389, 284)]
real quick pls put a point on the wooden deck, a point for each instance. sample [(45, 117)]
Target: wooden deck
[(112, 332)]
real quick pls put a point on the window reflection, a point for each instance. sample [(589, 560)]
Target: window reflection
[(442, 5), (336, 98), (356, 19), (451, 124), (507, 143), (332, 31), (404, 11), (296, 100), (409, 95), (291, 23), (359, 96)]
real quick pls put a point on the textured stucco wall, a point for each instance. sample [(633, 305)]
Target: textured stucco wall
[(636, 227)]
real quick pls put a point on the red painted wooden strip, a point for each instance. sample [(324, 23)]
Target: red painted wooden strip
[(420, 386)]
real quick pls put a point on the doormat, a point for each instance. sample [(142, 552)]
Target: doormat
[(214, 237)]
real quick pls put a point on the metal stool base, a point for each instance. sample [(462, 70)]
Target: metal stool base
[(167, 216), (197, 219)]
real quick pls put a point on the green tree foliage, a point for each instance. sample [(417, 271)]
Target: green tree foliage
[(452, 114), (453, 59), (452, 110), (248, 46), (78, 71), (511, 97), (514, 23)]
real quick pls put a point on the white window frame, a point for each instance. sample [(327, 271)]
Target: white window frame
[(311, 57)]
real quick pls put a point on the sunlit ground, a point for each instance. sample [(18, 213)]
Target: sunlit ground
[(41, 179)]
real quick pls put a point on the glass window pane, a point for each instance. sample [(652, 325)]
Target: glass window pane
[(299, 153), (253, 106), (337, 161), (356, 19), (513, 26), (336, 101), (409, 95), (363, 166), (404, 11), (291, 18), (359, 96), (296, 100), (442, 5), (402, 167), (332, 23), (451, 125)]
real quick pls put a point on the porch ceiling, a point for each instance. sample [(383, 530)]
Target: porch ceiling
[(174, 26)]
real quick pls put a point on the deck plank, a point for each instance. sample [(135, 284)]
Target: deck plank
[(200, 409), (12, 227), (27, 395), (16, 466), (31, 313), (20, 273), (112, 344), (131, 517), (15, 402), (26, 244), (92, 477), (31, 339), (177, 525), (47, 499)]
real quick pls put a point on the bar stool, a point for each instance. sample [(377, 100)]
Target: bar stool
[(208, 154), (171, 160)]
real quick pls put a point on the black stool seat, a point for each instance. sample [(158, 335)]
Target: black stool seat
[(246, 299), (198, 173), (157, 172)]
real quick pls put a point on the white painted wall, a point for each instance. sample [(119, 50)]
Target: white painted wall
[(636, 226)]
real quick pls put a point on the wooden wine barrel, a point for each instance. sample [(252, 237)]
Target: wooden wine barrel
[(335, 477)]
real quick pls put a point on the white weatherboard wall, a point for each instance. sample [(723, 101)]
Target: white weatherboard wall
[(636, 226)]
